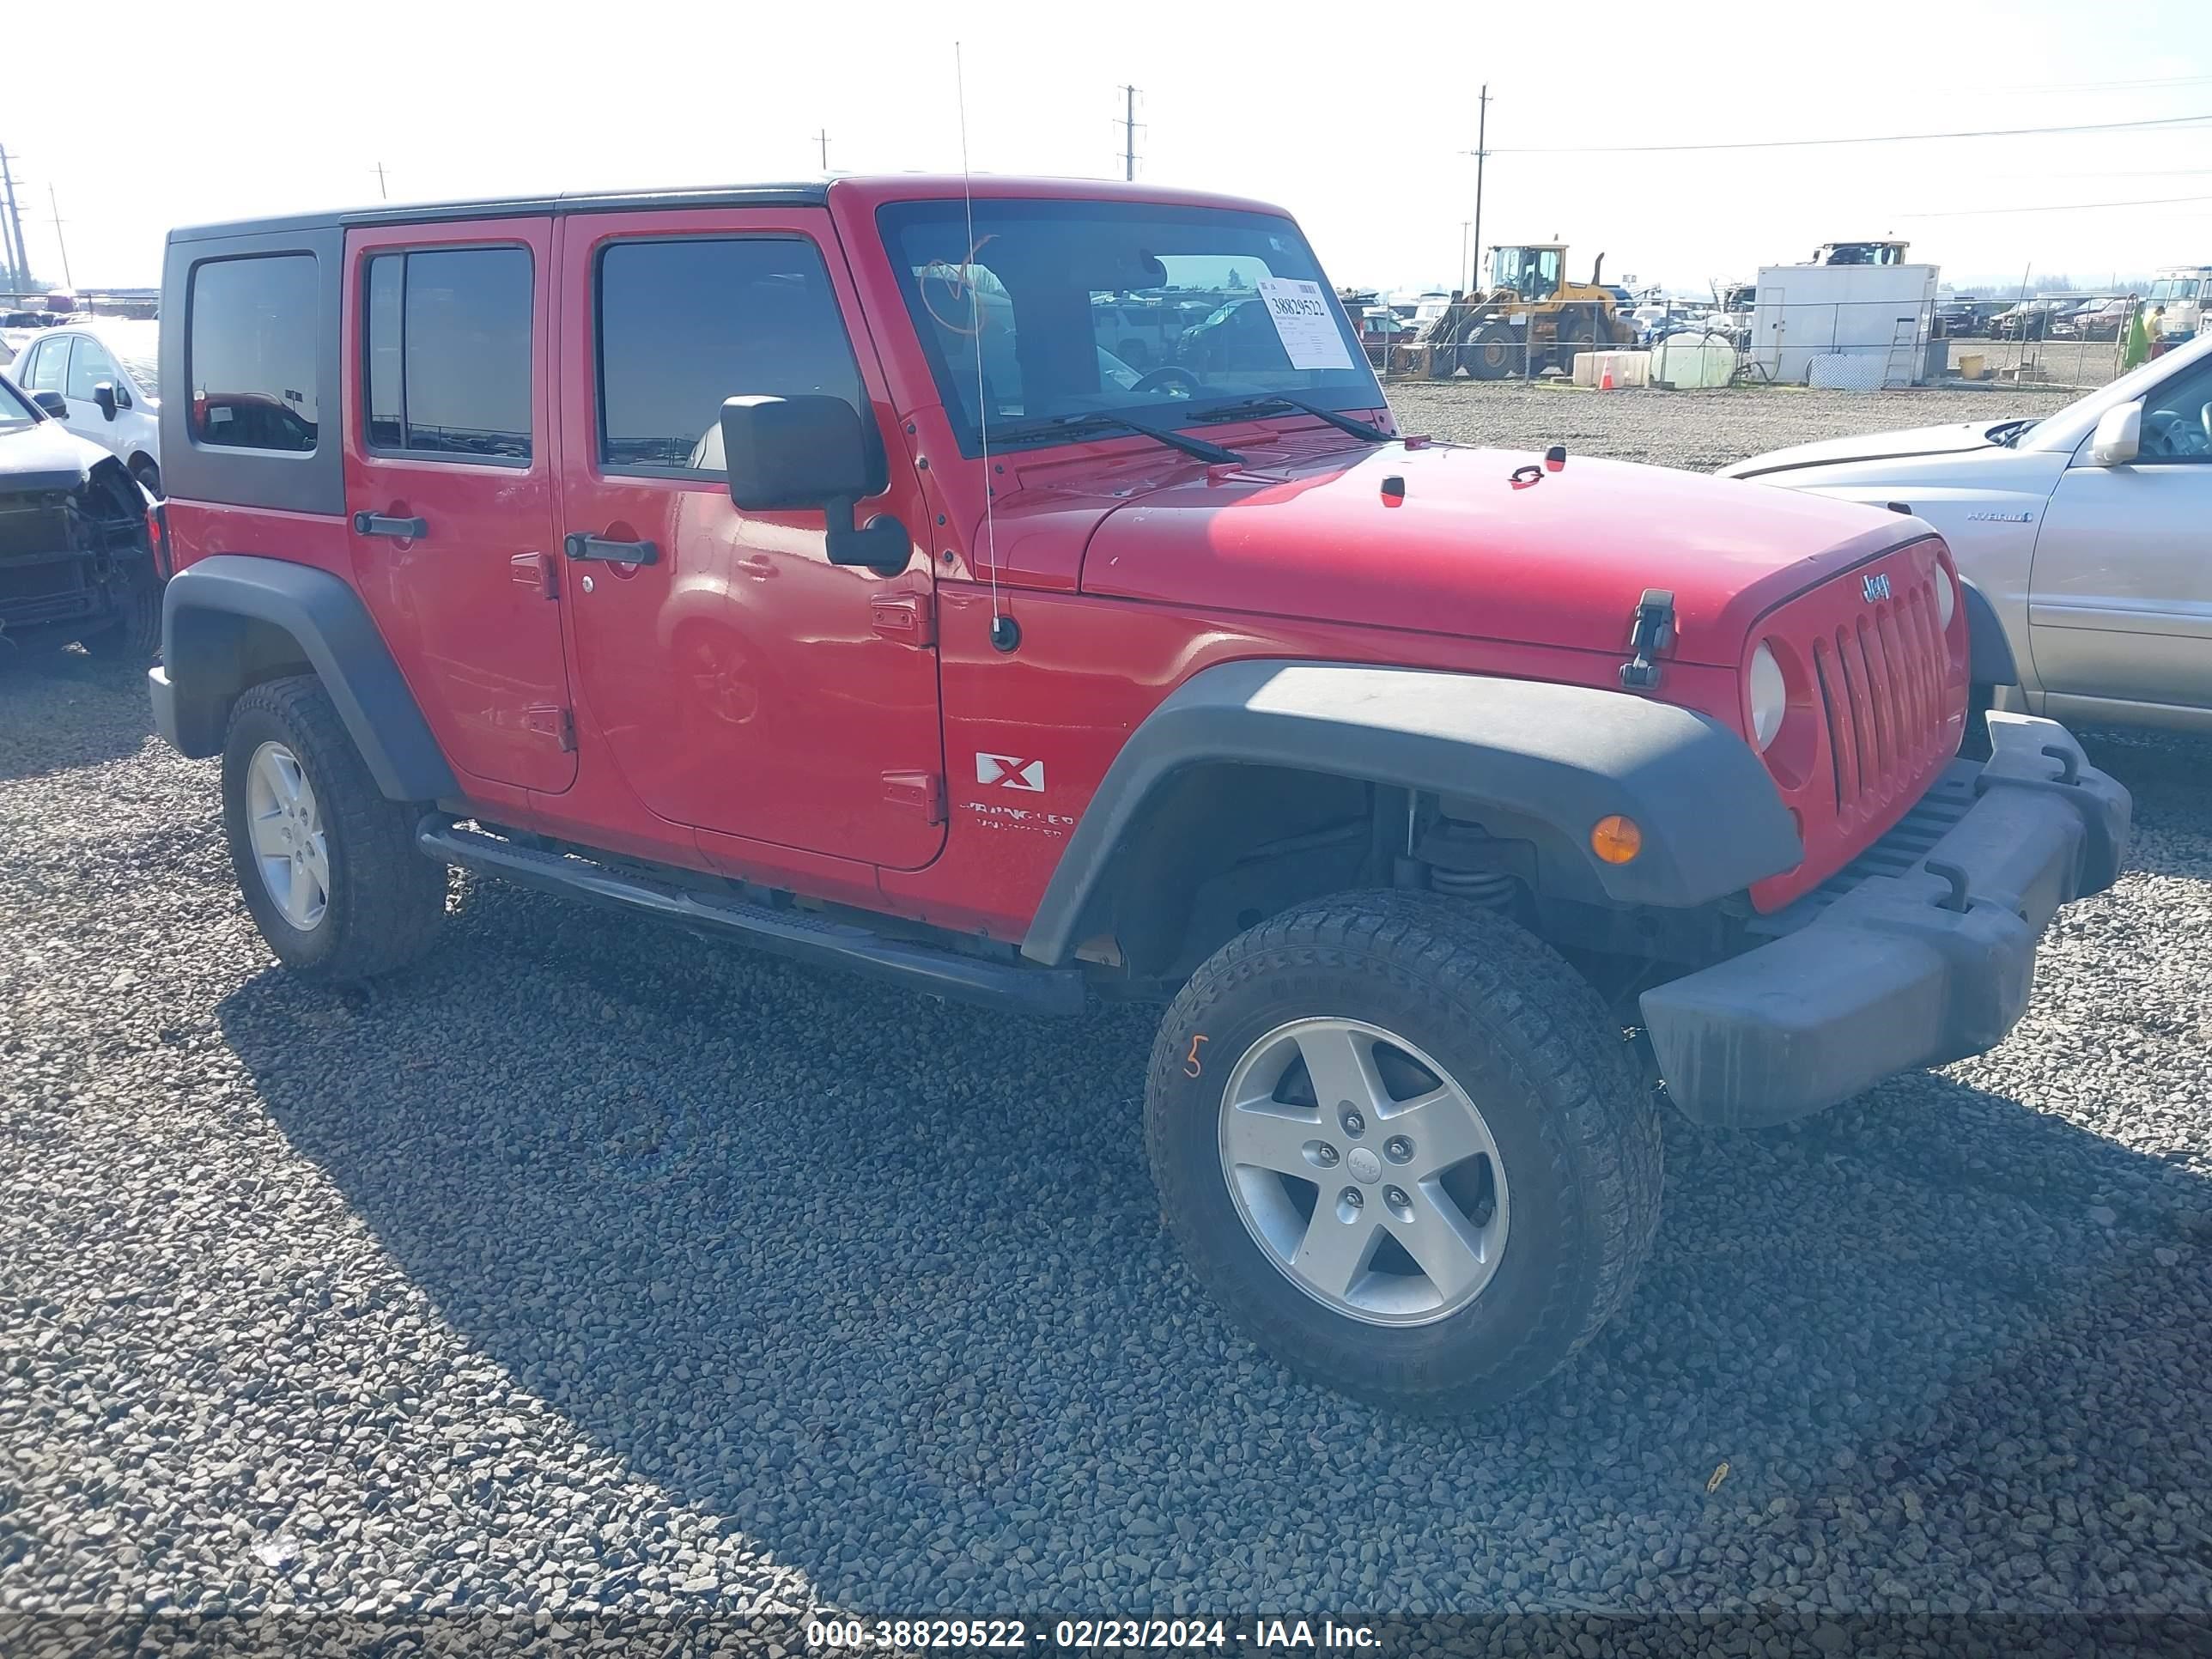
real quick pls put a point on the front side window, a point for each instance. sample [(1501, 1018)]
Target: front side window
[(89, 364), (2177, 418), (1027, 323), (686, 324), (250, 358), (448, 352)]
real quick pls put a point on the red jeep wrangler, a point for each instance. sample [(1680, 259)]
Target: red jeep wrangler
[(802, 565)]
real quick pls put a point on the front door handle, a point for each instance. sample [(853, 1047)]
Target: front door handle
[(582, 547), (375, 524)]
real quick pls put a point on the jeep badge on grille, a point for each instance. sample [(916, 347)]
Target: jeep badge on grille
[(1877, 587)]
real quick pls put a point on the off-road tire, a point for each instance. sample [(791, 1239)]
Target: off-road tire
[(1490, 355), (1577, 1134), (387, 900), (134, 636)]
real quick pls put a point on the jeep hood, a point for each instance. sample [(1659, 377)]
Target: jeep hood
[(1959, 437), (1465, 550)]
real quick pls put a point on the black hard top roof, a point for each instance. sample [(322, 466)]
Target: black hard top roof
[(806, 195)]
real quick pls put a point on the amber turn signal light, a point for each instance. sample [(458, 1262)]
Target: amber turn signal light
[(1616, 839)]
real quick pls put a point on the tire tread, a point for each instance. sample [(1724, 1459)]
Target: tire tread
[(1602, 1126), (390, 900)]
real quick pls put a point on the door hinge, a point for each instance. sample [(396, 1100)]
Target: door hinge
[(1649, 632), (910, 618), (534, 570), (549, 721), (922, 790)]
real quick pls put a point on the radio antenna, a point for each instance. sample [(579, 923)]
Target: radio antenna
[(1006, 633)]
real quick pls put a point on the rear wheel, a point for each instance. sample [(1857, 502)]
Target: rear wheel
[(1400, 1140), (327, 866)]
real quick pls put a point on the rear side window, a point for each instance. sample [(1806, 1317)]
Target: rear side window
[(448, 345), (250, 358), (49, 359), (685, 325)]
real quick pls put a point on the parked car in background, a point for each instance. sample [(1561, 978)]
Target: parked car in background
[(2030, 319), (78, 538), (2100, 319), (107, 375), (1959, 319), (2084, 539)]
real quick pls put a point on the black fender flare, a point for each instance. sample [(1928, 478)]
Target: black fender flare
[(1564, 756), (208, 659), (1988, 660)]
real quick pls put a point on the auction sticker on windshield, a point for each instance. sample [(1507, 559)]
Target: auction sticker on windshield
[(1302, 320)]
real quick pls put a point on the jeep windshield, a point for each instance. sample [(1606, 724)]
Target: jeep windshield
[(1054, 320)]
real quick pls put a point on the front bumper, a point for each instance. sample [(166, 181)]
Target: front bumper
[(1919, 953)]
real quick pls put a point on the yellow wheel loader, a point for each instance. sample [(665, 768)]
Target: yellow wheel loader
[(1530, 319)]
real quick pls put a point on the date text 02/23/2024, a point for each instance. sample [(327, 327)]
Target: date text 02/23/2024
[(1166, 1635)]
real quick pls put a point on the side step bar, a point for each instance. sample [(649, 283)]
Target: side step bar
[(799, 934)]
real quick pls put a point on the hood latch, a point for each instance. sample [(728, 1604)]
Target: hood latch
[(1651, 632)]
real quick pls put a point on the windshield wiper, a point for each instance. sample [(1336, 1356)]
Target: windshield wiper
[(1101, 419), (1337, 418)]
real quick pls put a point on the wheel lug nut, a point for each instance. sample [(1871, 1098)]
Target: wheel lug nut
[(1396, 1199), (1353, 1123), (1398, 1149), (1327, 1157), (1350, 1197)]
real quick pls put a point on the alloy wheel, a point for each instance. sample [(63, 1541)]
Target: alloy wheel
[(285, 825), (1364, 1171)]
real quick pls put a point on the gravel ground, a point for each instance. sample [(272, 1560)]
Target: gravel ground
[(1699, 429), (591, 1272)]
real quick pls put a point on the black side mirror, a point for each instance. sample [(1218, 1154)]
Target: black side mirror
[(783, 454), (52, 402), (103, 394)]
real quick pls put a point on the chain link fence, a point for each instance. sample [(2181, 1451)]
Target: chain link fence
[(1858, 344)]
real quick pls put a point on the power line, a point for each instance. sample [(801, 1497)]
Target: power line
[(1876, 139), (2060, 207), (2107, 86)]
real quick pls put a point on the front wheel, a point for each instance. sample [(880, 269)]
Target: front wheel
[(1400, 1140), (1491, 355), (134, 636)]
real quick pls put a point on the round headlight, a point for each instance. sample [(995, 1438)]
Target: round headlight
[(1770, 698), (1946, 598)]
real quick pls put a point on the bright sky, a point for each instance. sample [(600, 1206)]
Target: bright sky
[(201, 113)]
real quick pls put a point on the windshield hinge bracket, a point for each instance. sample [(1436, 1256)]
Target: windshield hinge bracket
[(1651, 631)]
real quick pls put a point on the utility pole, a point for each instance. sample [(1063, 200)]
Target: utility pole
[(11, 230), (1481, 155), (1129, 124), (1462, 246), (822, 139), (382, 194), (54, 202)]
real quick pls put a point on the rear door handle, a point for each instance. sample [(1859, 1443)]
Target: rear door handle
[(580, 546), (375, 524)]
